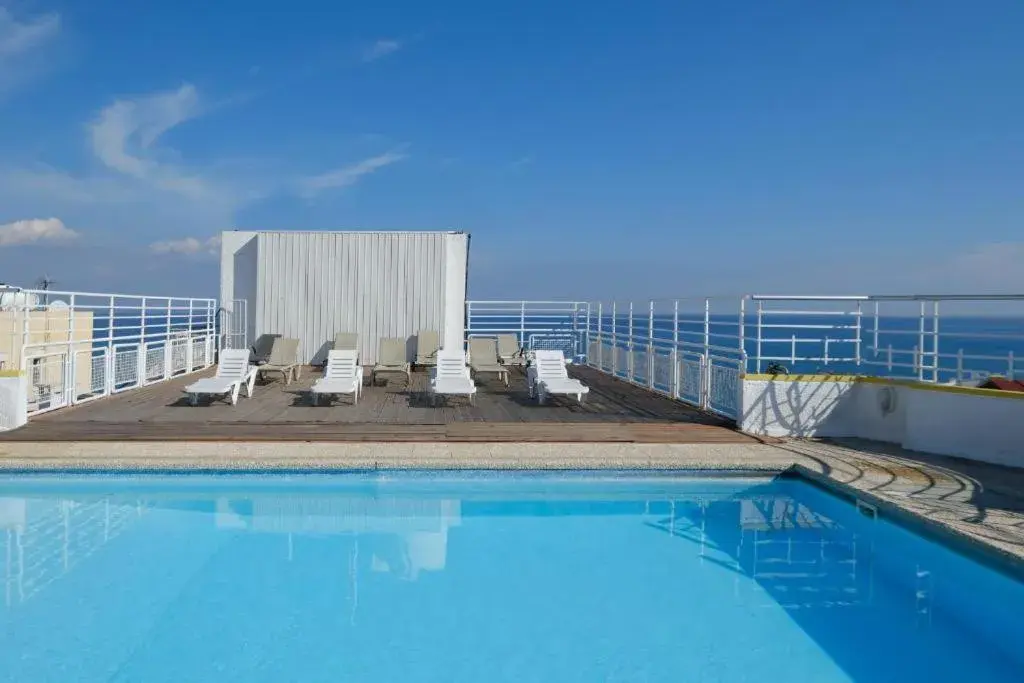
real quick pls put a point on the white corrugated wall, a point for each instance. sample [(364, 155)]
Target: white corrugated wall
[(313, 285)]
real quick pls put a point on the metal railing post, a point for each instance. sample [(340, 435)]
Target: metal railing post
[(600, 335), (168, 345), (757, 343), (111, 353), (675, 349), (142, 343), (629, 346), (615, 339), (522, 323), (919, 349), (935, 341), (650, 346), (706, 403), (857, 331), (743, 335)]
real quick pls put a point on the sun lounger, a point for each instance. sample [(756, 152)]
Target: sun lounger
[(483, 357), (427, 344), (451, 377), (283, 358), (233, 370), (509, 350), (262, 348), (547, 375), (342, 375), (391, 357), (346, 341)]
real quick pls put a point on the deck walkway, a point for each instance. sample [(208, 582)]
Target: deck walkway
[(615, 411)]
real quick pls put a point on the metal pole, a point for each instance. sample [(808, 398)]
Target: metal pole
[(919, 349), (615, 339), (629, 344), (586, 343), (743, 333), (757, 346), (857, 330), (675, 349), (650, 346), (935, 340), (600, 335), (522, 324)]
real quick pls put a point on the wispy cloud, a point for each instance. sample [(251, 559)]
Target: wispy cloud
[(348, 175), (381, 48), (189, 246), (125, 133), (19, 37), (34, 231), (22, 43)]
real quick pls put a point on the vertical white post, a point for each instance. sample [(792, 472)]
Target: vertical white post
[(522, 323), (707, 354), (889, 362), (111, 354), (675, 349), (189, 360), (586, 340), (168, 345), (919, 349), (629, 345), (792, 351), (615, 339), (600, 335), (935, 340), (142, 342), (650, 346), (743, 335), (857, 333), (757, 343), (72, 364)]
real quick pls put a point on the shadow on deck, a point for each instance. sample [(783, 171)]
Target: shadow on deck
[(615, 411)]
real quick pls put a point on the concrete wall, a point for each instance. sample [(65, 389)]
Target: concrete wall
[(978, 424)]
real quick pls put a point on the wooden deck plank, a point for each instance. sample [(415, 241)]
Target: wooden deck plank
[(614, 412)]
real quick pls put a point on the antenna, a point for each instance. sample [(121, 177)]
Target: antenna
[(44, 283)]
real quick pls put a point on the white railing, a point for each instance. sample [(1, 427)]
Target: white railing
[(79, 346), (696, 350), (959, 339)]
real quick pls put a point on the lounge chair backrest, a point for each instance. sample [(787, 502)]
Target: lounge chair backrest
[(550, 364), (233, 364), (428, 343), (346, 341), (483, 350), (392, 352), (508, 345), (451, 364), (285, 351), (341, 364), (263, 346)]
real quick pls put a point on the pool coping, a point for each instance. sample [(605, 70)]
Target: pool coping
[(723, 458)]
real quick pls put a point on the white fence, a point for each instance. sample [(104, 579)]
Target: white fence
[(696, 350), (77, 346)]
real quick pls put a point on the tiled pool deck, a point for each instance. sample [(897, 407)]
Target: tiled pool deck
[(965, 500)]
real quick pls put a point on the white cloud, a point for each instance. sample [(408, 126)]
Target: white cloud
[(348, 175), (189, 246), (124, 134), (17, 38), (381, 48), (35, 230)]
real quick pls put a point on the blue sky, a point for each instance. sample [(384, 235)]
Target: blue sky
[(591, 149)]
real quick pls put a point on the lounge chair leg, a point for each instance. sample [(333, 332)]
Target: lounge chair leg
[(193, 399), (234, 394)]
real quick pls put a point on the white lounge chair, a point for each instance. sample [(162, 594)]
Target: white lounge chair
[(427, 345), (547, 375), (451, 376), (391, 357), (233, 370), (483, 358), (342, 375)]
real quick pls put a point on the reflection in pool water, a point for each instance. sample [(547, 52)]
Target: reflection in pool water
[(465, 578)]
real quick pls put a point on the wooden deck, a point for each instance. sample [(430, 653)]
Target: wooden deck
[(614, 412)]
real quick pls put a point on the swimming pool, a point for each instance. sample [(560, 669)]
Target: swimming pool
[(466, 577)]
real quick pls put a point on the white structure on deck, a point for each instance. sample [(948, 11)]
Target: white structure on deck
[(312, 285)]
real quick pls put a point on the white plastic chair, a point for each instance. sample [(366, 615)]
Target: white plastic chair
[(233, 371), (451, 376), (342, 375), (547, 375)]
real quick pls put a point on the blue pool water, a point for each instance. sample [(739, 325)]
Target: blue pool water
[(462, 577)]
